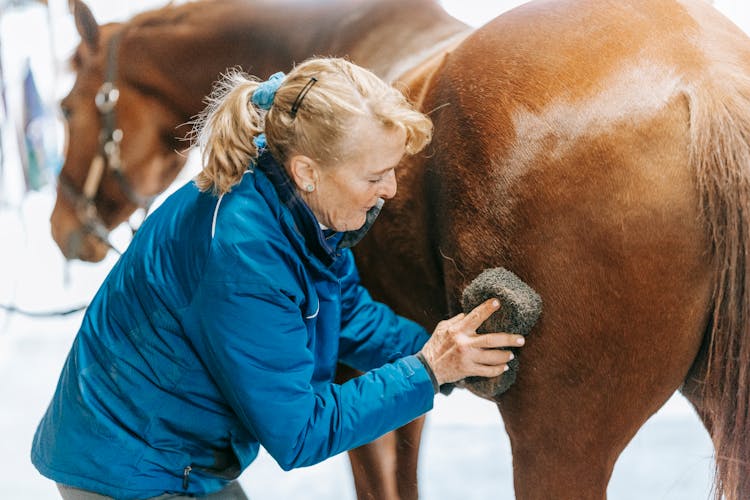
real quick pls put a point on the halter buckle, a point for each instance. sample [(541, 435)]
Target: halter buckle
[(107, 97)]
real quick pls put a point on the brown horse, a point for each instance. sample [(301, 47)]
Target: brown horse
[(600, 149), (148, 77)]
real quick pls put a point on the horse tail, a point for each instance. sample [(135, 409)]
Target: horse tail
[(720, 150)]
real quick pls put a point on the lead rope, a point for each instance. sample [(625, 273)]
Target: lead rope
[(42, 314)]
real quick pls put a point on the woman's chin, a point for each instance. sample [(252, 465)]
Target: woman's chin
[(351, 225)]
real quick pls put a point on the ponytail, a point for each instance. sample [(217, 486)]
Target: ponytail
[(224, 131)]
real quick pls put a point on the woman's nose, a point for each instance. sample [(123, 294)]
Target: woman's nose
[(389, 185)]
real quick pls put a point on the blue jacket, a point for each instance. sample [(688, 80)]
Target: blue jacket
[(219, 331)]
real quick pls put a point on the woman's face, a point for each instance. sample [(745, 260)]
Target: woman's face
[(343, 193)]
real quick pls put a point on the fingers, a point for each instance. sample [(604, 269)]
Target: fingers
[(488, 371), (454, 320), (492, 357), (456, 351), (479, 314), (498, 340), (448, 324)]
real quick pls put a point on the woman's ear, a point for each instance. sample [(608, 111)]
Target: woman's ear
[(304, 172)]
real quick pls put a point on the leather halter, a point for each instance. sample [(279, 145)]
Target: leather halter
[(107, 159)]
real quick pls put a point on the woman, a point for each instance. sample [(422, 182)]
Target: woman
[(219, 329)]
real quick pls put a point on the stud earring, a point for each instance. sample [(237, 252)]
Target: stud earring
[(310, 188)]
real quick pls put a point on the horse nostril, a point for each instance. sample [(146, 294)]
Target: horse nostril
[(85, 247)]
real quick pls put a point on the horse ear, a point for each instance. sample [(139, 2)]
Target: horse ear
[(86, 23)]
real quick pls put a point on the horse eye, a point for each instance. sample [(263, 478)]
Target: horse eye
[(66, 112)]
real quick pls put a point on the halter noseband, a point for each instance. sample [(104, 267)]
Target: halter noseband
[(106, 160)]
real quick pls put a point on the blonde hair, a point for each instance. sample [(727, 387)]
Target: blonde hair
[(342, 94)]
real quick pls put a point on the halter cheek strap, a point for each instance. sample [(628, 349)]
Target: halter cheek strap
[(110, 137)]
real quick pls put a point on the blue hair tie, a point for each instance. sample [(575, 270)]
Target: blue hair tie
[(260, 141), (266, 91)]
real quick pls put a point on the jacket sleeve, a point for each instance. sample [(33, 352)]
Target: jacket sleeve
[(371, 333), (253, 340)]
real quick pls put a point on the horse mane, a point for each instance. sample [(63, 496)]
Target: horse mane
[(169, 14)]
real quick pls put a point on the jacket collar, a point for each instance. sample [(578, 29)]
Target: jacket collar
[(325, 244)]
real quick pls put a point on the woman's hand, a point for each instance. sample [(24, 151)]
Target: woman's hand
[(455, 350)]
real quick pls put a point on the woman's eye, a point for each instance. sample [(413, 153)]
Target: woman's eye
[(376, 180)]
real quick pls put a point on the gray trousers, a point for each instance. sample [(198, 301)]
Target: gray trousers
[(233, 491)]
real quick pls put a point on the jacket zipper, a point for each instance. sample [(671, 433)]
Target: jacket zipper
[(186, 477)]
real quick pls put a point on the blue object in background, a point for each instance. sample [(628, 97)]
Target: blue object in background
[(42, 160)]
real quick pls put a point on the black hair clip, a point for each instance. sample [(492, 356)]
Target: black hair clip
[(302, 93)]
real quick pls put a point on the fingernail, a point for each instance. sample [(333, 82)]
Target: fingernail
[(511, 356), (520, 341), (495, 303), (506, 368)]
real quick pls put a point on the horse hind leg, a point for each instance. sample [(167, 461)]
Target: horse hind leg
[(408, 438), (386, 469), (566, 442), (373, 467)]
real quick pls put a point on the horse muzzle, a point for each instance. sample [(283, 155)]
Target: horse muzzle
[(74, 239)]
